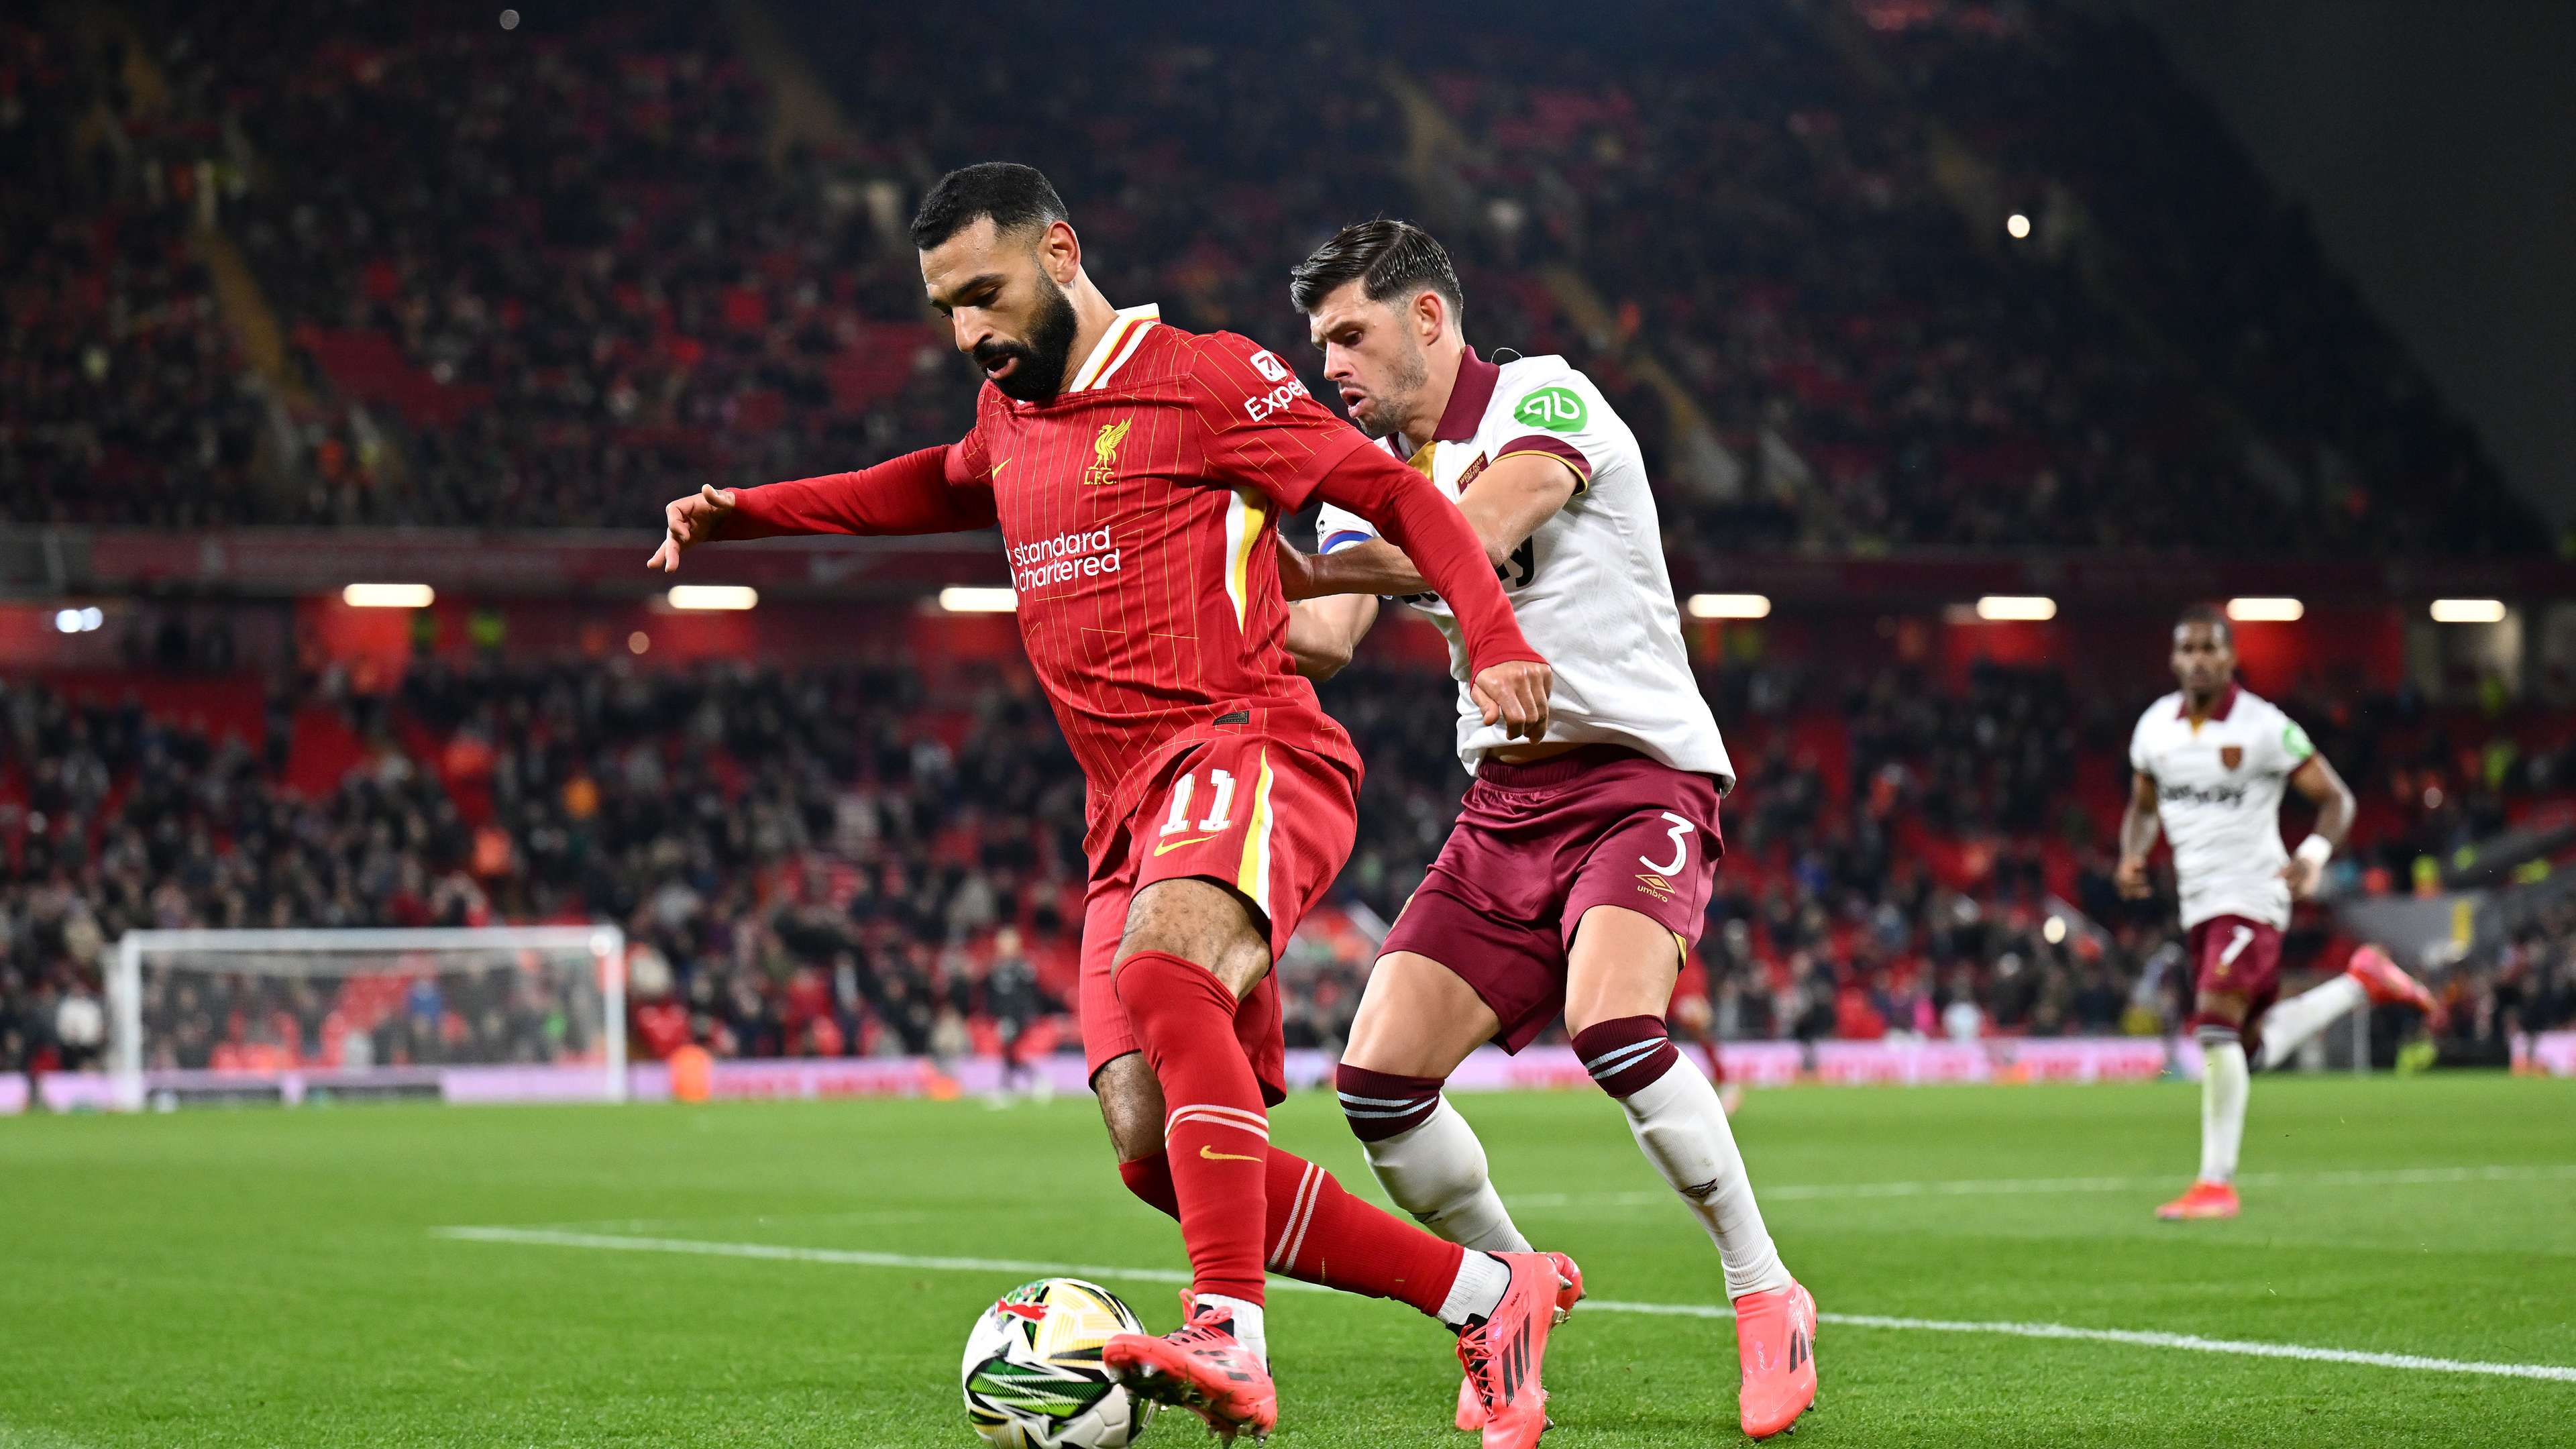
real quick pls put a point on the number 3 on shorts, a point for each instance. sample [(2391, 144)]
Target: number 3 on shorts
[(1681, 847)]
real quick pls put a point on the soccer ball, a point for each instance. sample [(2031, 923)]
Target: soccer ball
[(1033, 1376)]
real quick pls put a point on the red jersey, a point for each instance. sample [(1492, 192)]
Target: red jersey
[(1138, 510)]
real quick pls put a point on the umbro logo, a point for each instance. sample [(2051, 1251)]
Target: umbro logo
[(1651, 884)]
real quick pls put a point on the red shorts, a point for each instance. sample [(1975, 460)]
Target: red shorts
[(2232, 956), (1269, 821), (1538, 845)]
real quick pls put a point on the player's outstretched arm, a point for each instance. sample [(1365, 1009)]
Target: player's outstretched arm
[(1504, 505), (936, 490), (2139, 825), (2325, 789)]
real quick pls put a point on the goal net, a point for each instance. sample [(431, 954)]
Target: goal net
[(498, 1014)]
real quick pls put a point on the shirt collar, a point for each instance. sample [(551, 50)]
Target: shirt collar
[(1468, 398), (1116, 345), (2226, 702)]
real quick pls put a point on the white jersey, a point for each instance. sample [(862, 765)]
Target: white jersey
[(2218, 791), (1589, 587)]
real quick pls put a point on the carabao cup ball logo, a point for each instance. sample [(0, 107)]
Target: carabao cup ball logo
[(1556, 409)]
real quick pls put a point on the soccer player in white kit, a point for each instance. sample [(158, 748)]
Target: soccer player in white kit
[(2212, 760), (1580, 868)]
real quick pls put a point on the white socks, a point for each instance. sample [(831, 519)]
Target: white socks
[(1437, 1173), (1249, 1330), (2222, 1102), (2224, 1071), (1681, 1128), (1482, 1280), (2288, 1026)]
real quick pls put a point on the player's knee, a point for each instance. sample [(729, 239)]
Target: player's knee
[(1626, 1054), (1381, 1105), (1200, 922), (2218, 1014)]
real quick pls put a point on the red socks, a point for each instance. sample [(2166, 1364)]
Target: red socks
[(1328, 1236), (1244, 1205), (1216, 1137), (1318, 1233)]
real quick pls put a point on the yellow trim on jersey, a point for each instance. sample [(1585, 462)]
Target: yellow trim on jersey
[(1582, 476), (1243, 519), (1420, 462), (1253, 876)]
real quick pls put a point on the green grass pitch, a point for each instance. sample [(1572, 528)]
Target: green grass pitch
[(277, 1278)]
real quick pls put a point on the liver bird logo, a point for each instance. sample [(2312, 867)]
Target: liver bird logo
[(1104, 451)]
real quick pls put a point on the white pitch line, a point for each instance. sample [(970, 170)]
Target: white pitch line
[(2009, 1187), (853, 1257)]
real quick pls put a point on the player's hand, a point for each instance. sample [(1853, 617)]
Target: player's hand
[(2304, 877), (2131, 878), (1515, 694), (1296, 573), (689, 521)]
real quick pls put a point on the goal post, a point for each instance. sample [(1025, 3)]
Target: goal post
[(461, 1014)]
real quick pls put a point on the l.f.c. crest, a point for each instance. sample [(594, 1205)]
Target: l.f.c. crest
[(1104, 452)]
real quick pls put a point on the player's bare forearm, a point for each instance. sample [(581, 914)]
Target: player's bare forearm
[(2324, 788), (2317, 780), (1373, 569), (2139, 825), (2138, 832), (1509, 680), (1503, 507), (1323, 634), (1422, 522)]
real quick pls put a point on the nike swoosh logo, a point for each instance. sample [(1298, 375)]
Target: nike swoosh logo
[(1177, 844), (996, 470), (1212, 1155)]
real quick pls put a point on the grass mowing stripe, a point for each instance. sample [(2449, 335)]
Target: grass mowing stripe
[(540, 1237), (2007, 1187)]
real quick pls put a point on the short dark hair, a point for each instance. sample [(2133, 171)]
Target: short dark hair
[(1014, 196), (1388, 258), (2212, 615)]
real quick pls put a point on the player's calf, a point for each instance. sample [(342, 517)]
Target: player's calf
[(1681, 1127), (1427, 1158)]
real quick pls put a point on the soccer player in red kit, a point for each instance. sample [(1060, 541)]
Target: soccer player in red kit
[(1137, 473)]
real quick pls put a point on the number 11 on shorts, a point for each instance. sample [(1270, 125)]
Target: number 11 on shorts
[(1220, 803)]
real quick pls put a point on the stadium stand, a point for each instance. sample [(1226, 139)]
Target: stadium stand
[(639, 249), (826, 863), (623, 266)]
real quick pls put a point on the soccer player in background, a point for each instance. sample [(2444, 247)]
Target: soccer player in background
[(1580, 868), (2211, 762), (1137, 473)]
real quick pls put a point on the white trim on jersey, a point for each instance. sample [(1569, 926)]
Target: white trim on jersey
[(1125, 332)]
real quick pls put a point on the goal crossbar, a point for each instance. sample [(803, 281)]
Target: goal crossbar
[(325, 952)]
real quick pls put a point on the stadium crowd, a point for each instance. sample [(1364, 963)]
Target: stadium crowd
[(543, 275), (836, 863)]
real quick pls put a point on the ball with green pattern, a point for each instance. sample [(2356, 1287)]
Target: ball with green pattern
[(1033, 1376)]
